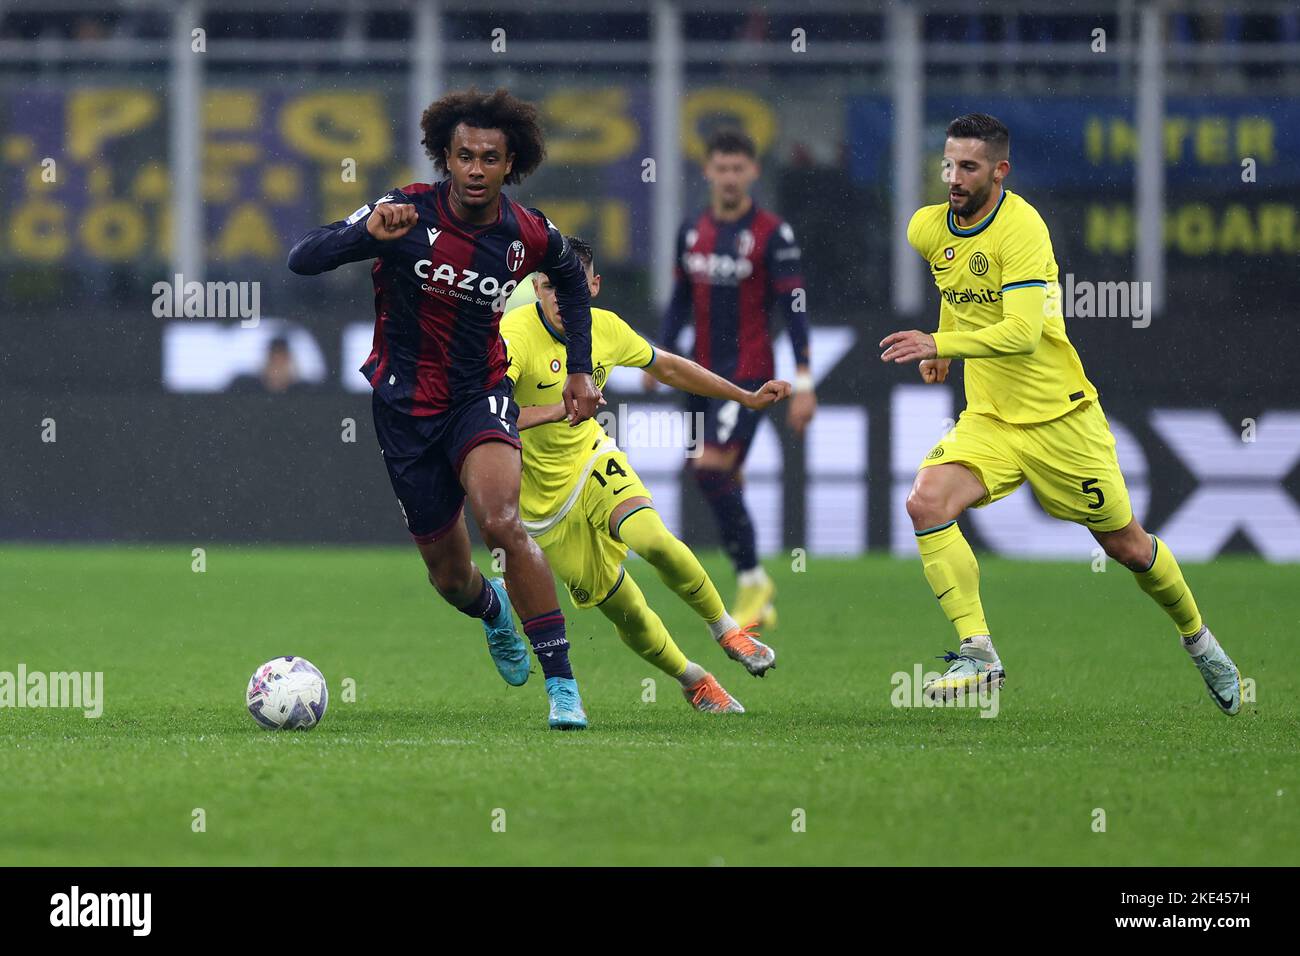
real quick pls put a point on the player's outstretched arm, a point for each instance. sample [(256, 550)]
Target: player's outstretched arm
[(534, 415), (1024, 308), (530, 416), (1025, 303), (351, 240), (681, 373), (1017, 333)]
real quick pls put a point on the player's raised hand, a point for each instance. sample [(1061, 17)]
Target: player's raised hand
[(769, 394), (581, 397), (934, 371), (908, 347), (392, 220)]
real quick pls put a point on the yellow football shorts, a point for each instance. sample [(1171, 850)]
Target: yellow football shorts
[(582, 552), (1069, 462)]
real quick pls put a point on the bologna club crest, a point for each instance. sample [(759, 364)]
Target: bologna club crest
[(515, 256)]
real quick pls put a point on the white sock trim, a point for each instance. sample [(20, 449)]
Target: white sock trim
[(1202, 642), (979, 642), (693, 674), (722, 626)]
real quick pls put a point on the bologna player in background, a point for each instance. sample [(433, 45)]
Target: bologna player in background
[(1031, 414), (736, 265), (446, 257)]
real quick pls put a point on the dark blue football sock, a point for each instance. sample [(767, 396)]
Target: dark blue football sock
[(486, 606), (546, 634), (723, 491)]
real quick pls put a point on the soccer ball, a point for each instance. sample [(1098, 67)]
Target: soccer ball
[(288, 693)]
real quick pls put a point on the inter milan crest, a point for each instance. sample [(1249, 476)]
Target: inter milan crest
[(979, 264), (598, 376), (515, 256)]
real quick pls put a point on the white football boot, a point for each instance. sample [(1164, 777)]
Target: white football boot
[(974, 666)]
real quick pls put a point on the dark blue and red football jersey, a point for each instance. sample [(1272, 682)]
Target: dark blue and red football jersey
[(440, 291), (729, 278)]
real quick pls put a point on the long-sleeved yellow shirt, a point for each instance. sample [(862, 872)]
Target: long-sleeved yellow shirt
[(1000, 310)]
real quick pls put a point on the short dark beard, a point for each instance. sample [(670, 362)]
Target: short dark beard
[(974, 202)]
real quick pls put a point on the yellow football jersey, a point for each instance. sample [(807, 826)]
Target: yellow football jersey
[(556, 455), (1000, 311)]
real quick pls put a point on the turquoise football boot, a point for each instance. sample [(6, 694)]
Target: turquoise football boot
[(1222, 679), (566, 704), (508, 650)]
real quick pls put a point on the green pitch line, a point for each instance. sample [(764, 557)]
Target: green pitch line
[(1102, 710)]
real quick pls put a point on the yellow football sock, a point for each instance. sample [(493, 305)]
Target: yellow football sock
[(641, 629), (1163, 580), (645, 533), (954, 576)]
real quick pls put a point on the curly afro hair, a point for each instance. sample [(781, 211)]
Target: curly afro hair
[(516, 118)]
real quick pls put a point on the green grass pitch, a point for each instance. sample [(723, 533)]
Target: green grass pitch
[(1102, 710)]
